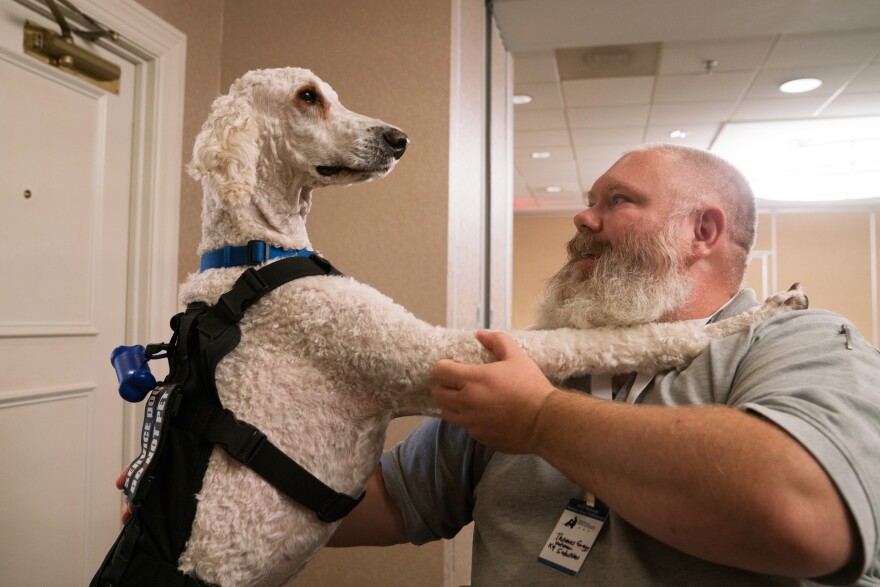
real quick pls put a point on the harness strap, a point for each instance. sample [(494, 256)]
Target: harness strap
[(140, 569), (146, 551), (244, 442), (254, 284), (249, 446)]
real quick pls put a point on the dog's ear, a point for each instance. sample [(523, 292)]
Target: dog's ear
[(226, 150)]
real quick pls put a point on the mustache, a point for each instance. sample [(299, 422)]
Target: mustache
[(583, 245)]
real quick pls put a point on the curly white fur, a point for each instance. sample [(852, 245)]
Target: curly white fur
[(324, 363)]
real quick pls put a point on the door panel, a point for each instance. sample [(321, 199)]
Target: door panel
[(47, 216), (65, 191)]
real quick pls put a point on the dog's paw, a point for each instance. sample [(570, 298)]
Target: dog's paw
[(793, 299), (779, 303)]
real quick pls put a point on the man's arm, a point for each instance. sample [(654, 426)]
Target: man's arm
[(717, 483), (375, 521)]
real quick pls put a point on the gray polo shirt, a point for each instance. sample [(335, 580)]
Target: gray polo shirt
[(795, 370)]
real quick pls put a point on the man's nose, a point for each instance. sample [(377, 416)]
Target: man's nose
[(588, 220)]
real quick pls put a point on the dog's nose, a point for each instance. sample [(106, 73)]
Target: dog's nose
[(397, 140)]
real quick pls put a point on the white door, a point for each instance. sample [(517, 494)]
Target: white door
[(65, 167)]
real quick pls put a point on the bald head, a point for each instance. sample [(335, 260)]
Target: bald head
[(700, 179)]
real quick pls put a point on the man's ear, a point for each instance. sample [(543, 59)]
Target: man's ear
[(709, 227)]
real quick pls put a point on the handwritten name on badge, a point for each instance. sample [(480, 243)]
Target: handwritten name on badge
[(573, 536)]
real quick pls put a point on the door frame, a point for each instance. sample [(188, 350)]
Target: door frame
[(158, 52)]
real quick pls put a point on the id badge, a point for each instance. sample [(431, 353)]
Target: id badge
[(572, 539)]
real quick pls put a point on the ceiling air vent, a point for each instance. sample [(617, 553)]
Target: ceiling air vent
[(608, 61)]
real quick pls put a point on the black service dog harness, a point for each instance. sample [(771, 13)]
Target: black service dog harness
[(183, 421)]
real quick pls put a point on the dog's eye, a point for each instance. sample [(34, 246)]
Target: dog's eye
[(309, 96)]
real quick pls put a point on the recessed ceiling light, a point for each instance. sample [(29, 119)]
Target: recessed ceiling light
[(521, 99), (801, 85), (677, 134), (553, 189), (540, 154)]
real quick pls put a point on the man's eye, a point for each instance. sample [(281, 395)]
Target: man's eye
[(308, 96), (617, 200)]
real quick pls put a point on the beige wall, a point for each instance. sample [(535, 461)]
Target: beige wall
[(389, 59), (538, 252), (831, 253), (202, 23), (395, 60)]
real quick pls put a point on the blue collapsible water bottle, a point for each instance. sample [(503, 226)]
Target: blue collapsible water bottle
[(133, 373)]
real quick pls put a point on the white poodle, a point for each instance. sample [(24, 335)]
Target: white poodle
[(325, 362)]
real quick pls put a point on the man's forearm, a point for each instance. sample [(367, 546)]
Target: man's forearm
[(374, 522), (714, 482)]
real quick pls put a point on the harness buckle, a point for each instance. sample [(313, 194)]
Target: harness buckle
[(238, 438), (251, 447), (257, 284)]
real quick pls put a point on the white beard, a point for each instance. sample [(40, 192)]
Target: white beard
[(638, 281)]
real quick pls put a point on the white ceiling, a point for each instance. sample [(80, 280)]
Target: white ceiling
[(587, 123)]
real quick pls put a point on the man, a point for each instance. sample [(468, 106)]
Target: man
[(757, 463)]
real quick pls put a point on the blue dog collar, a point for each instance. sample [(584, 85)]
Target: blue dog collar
[(253, 253)]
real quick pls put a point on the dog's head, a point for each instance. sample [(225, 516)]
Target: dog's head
[(288, 127)]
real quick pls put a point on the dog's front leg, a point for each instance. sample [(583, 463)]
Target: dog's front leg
[(393, 353), (645, 348)]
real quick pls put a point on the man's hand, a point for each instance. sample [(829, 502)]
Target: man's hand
[(126, 508), (497, 403)]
